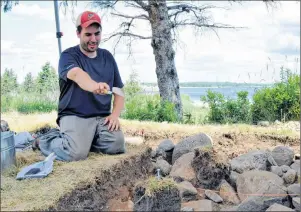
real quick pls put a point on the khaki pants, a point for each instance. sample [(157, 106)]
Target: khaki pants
[(78, 136)]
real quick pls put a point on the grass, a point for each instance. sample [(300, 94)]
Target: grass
[(30, 122), (154, 185)]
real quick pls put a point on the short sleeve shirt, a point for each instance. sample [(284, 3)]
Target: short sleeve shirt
[(74, 100)]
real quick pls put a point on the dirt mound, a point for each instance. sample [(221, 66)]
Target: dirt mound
[(81, 185)]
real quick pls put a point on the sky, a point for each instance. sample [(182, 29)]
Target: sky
[(270, 39)]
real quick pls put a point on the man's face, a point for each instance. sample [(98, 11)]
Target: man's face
[(90, 38)]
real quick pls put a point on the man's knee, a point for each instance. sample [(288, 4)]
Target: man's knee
[(118, 144), (110, 143)]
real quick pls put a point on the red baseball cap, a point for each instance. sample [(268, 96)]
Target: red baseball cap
[(87, 18)]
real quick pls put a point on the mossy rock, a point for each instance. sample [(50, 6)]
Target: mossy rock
[(210, 166), (157, 195)]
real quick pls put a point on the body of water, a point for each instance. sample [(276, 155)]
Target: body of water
[(195, 93)]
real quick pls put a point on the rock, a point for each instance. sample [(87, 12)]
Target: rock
[(250, 182), (271, 161), (188, 144), (161, 197), (161, 153), (296, 166), (211, 167), (233, 178), (166, 145), (134, 140), (4, 126), (294, 190), (283, 155), (296, 203), (187, 209), (285, 168), (277, 170), (187, 191), (154, 153), (278, 207), (164, 167), (290, 176), (213, 196), (269, 194), (182, 169), (201, 193), (118, 205), (297, 157), (199, 205), (231, 208), (249, 161), (228, 194), (263, 123)]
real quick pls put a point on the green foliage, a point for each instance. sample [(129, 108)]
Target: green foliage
[(27, 103), (149, 108), (279, 102), (28, 84), (132, 86), (192, 113), (9, 82), (34, 95), (228, 110), (47, 79)]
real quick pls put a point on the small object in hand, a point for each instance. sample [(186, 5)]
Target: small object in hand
[(105, 91)]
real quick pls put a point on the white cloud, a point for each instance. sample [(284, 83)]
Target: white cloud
[(240, 55), (33, 11)]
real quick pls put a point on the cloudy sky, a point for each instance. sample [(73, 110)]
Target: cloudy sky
[(254, 54)]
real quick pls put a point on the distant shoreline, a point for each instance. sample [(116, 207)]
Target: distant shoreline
[(212, 84)]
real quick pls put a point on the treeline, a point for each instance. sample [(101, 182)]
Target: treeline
[(38, 94), (279, 101), (213, 84)]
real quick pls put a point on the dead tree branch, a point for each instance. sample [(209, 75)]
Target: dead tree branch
[(142, 17), (123, 34)]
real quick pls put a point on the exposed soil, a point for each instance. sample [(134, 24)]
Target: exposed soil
[(115, 185), (234, 144), (107, 185)]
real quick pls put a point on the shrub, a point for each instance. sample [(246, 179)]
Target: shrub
[(279, 102), (228, 110)]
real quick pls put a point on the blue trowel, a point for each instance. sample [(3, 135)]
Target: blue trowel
[(38, 170)]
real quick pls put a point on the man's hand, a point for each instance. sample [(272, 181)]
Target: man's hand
[(101, 88), (113, 122)]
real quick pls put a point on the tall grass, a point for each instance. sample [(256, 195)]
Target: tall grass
[(27, 103)]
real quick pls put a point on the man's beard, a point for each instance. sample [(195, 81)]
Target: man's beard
[(86, 48)]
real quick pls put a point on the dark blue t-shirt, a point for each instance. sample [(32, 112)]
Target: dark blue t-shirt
[(76, 101)]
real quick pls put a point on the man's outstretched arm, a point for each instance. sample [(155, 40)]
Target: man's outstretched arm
[(84, 81)]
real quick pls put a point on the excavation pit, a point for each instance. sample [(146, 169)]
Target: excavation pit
[(74, 186)]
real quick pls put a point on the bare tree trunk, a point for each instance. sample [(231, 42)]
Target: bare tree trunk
[(167, 76)]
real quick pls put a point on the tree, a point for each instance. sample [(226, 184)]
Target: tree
[(7, 4), (8, 82), (47, 79), (28, 83), (164, 18), (132, 86)]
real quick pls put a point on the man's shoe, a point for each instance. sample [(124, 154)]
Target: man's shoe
[(35, 144)]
